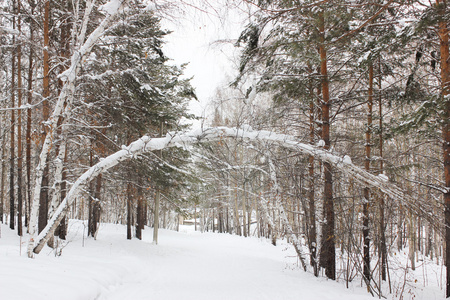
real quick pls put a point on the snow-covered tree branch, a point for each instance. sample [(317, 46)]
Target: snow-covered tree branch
[(63, 104), (185, 139)]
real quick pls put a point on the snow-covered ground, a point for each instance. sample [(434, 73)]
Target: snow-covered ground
[(184, 265)]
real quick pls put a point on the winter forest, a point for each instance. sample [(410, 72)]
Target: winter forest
[(320, 169)]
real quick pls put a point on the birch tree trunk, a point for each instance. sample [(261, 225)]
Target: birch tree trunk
[(63, 105)]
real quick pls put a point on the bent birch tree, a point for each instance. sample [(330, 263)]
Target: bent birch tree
[(184, 139), (63, 105)]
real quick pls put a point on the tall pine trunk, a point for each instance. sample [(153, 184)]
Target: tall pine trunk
[(96, 209), (445, 81), (139, 213), (43, 199), (12, 129), (366, 238), (383, 247), (28, 130), (328, 252), (129, 210), (312, 206), (19, 131)]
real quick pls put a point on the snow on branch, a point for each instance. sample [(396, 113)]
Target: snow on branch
[(185, 139), (63, 108)]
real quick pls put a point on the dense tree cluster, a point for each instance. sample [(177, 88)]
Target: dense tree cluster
[(101, 70), (369, 80), (360, 88)]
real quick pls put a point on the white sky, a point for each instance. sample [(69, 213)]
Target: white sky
[(198, 39)]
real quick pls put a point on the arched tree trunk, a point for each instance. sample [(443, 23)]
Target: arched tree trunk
[(147, 144)]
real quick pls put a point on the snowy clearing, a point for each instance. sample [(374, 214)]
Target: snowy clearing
[(185, 265)]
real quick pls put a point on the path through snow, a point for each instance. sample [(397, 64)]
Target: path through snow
[(185, 265)]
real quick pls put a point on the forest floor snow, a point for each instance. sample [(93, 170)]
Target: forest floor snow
[(184, 265)]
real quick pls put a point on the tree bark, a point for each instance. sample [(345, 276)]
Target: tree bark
[(445, 81), (43, 198), (12, 129), (139, 213), (328, 244), (28, 130), (96, 209), (366, 238), (383, 247), (129, 212), (63, 105), (62, 229), (3, 174), (19, 131), (312, 205), (156, 217)]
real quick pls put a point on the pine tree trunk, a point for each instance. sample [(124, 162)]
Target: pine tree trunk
[(96, 209), (366, 238), (156, 217), (12, 130), (19, 131), (244, 213), (129, 212), (312, 205), (91, 196), (445, 81), (28, 130), (157, 199), (43, 199), (139, 211), (383, 247), (328, 251)]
